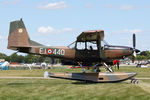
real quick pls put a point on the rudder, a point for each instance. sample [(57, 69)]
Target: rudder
[(18, 36)]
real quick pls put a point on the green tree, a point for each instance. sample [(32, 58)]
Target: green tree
[(140, 57), (29, 58), (146, 54), (3, 56), (13, 57)]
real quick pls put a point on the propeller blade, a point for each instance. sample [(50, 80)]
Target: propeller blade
[(134, 54), (134, 50), (134, 41)]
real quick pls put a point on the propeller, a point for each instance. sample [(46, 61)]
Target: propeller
[(134, 48), (134, 45)]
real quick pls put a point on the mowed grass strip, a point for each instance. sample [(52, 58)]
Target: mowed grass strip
[(142, 72), (34, 72), (57, 89)]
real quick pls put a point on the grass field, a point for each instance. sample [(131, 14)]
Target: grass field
[(59, 89)]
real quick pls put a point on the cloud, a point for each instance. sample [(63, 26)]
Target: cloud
[(51, 30), (54, 6), (123, 7), (67, 29), (127, 31), (45, 30), (133, 31), (127, 7), (11, 2)]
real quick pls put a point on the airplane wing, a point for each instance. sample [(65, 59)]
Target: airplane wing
[(91, 35)]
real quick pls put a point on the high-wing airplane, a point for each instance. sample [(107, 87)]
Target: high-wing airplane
[(89, 49)]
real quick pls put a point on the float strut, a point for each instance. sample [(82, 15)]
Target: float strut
[(108, 68)]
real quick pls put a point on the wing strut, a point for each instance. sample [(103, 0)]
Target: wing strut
[(108, 68)]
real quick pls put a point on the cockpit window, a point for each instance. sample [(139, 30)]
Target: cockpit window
[(81, 45), (92, 45), (88, 45)]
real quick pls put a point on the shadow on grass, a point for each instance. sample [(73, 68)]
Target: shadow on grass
[(83, 83), (90, 83), (19, 84), (36, 83), (54, 83)]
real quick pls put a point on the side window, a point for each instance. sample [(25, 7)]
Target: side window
[(91, 46), (80, 45)]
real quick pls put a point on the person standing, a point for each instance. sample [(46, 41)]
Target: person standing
[(114, 63), (117, 61)]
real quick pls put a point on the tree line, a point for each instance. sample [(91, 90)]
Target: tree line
[(28, 58), (144, 55)]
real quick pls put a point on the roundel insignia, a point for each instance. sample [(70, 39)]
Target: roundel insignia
[(20, 30), (49, 51)]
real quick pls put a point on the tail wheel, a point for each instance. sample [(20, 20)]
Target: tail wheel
[(134, 81)]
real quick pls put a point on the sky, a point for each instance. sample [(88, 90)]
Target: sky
[(59, 22)]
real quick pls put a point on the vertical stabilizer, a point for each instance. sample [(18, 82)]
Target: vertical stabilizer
[(18, 36)]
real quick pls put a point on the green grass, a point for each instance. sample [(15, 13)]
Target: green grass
[(142, 72), (59, 89)]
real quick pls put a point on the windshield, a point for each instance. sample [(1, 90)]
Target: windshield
[(103, 43), (72, 45)]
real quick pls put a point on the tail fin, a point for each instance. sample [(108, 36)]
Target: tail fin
[(18, 36)]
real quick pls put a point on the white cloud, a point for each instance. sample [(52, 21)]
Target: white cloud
[(54, 6), (133, 31), (43, 29), (67, 29), (125, 31), (51, 30), (11, 2), (127, 7)]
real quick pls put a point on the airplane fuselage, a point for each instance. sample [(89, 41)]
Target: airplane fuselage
[(107, 52)]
